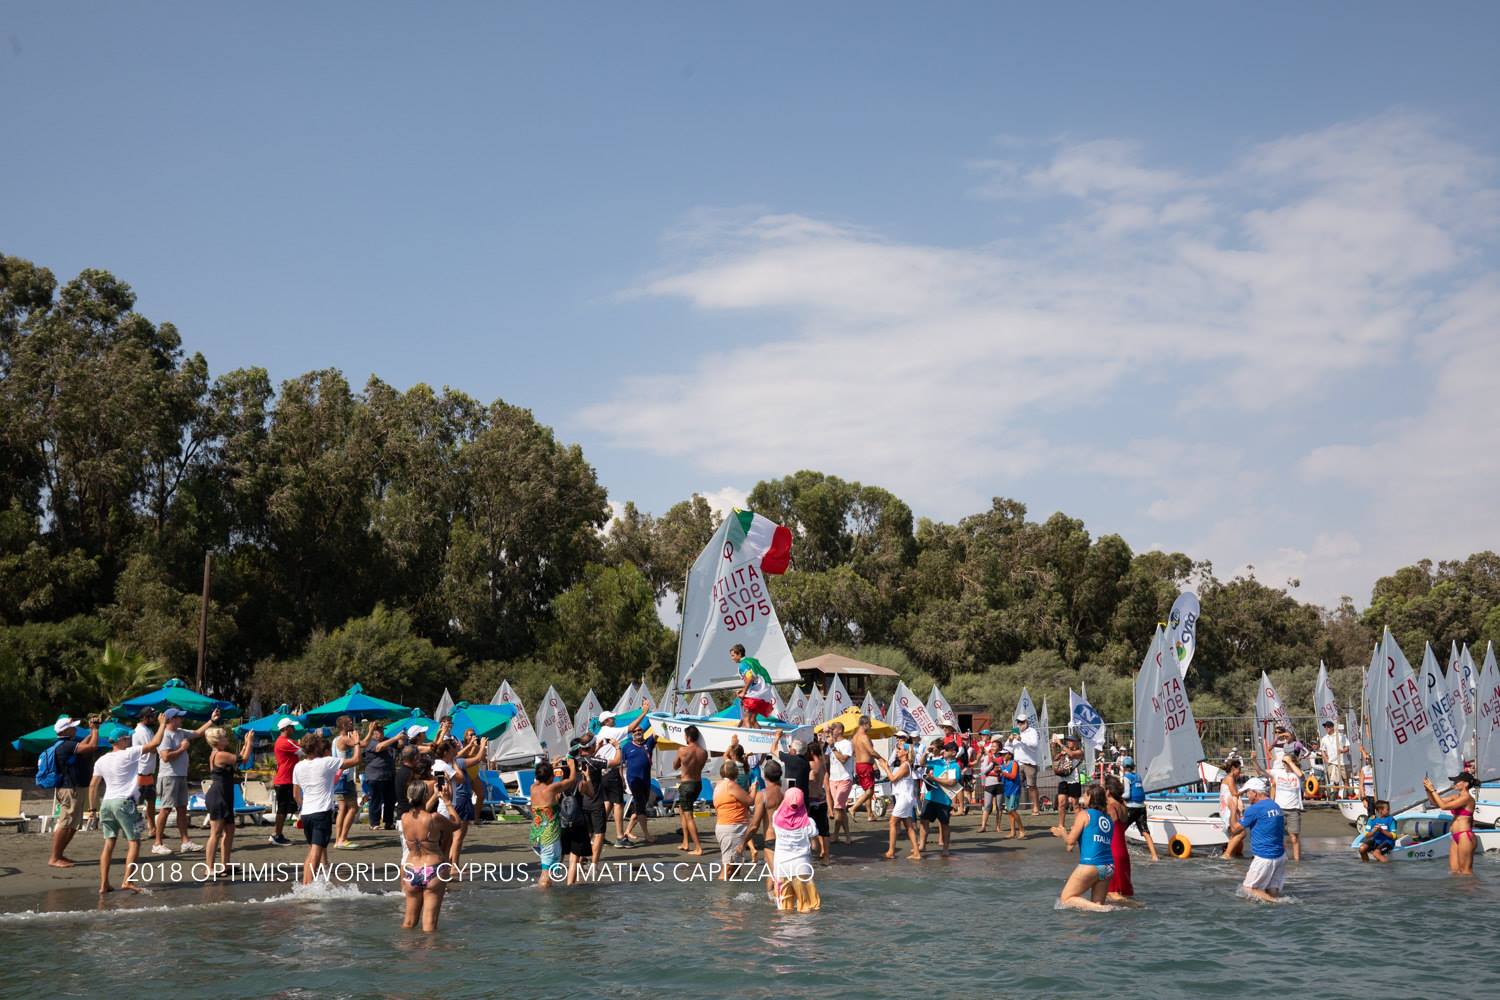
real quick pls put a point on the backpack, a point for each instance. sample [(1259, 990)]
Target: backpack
[(49, 774), (569, 811)]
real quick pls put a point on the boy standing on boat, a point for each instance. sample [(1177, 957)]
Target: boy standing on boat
[(755, 689), (1266, 824)]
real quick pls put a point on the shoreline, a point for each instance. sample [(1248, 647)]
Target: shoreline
[(500, 849)]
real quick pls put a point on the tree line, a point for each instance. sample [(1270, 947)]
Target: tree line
[(419, 540)]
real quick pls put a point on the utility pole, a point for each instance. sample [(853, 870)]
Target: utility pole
[(208, 570)]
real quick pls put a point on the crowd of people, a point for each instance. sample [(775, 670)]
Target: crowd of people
[(787, 810)]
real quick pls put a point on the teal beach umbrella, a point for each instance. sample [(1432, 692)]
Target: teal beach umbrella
[(355, 704), (40, 739), (174, 694)]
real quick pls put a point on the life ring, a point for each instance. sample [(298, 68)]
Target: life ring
[(1180, 847), (1312, 786)]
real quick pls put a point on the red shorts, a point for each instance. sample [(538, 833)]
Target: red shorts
[(864, 776), (757, 705)]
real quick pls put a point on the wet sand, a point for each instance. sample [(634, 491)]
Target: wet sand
[(28, 883)]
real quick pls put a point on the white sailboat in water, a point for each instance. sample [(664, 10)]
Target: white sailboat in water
[(1167, 754)]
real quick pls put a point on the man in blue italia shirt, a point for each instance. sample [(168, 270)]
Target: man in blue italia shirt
[(637, 753), (1266, 824)]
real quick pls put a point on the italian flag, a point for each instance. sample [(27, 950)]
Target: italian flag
[(750, 664), (763, 539)]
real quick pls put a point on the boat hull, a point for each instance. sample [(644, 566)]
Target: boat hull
[(1436, 849), (1188, 806), (717, 734), (1200, 832)]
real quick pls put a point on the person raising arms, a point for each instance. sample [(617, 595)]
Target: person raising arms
[(1461, 804)]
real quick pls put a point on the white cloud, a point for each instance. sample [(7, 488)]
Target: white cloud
[(1163, 306), (724, 500)]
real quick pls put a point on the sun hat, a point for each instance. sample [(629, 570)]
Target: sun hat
[(64, 723), (284, 722)]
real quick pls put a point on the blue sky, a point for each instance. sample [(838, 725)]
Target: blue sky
[(1221, 278)]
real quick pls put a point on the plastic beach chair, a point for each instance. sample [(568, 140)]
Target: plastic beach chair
[(243, 810), (10, 809)]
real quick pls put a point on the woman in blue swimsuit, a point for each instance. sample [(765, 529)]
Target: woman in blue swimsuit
[(1092, 829)]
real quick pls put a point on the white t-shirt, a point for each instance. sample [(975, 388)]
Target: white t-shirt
[(1026, 746), (1333, 747), (171, 739), (1288, 788), (118, 769), (142, 735), (317, 776), (840, 770)]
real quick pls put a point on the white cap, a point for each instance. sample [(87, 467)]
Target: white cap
[(64, 723), (1255, 785), (412, 732), (1022, 718), (286, 721), (606, 716)]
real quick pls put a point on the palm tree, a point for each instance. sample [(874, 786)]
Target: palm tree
[(119, 673)]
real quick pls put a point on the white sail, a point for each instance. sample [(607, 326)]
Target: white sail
[(629, 701), (837, 701), (1356, 744), (702, 705), (728, 604), (1269, 713), (1026, 708), (519, 741), (812, 714), (554, 727), (1461, 685), (1167, 747), (870, 707), (1045, 754), (1324, 703), (444, 706), (796, 709), (778, 707), (1487, 718), (1401, 738), (908, 714), (1182, 629), (588, 709), (1442, 710), (940, 710)]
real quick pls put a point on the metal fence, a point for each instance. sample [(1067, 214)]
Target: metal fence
[(1221, 735)]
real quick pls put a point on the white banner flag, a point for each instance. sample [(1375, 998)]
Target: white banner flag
[(1087, 724), (1324, 703), (1182, 629)]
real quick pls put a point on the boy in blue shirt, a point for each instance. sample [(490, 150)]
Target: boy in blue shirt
[(941, 783), (1266, 824), (1012, 784), (1135, 802), (1380, 834)]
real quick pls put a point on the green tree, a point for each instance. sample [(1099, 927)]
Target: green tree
[(605, 632)]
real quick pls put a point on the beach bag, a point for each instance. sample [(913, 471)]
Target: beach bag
[(48, 769)]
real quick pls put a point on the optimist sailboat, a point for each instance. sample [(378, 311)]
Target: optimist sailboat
[(728, 603), (1407, 748), (1168, 753)]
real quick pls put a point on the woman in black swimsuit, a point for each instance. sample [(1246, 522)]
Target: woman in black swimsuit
[(223, 773)]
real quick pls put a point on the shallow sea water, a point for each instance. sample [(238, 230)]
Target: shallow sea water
[(982, 923)]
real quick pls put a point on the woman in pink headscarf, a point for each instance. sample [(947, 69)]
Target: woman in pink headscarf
[(793, 872)]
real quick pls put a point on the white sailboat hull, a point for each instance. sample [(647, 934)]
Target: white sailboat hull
[(1200, 832), (718, 734), (1436, 849), (1186, 808)]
